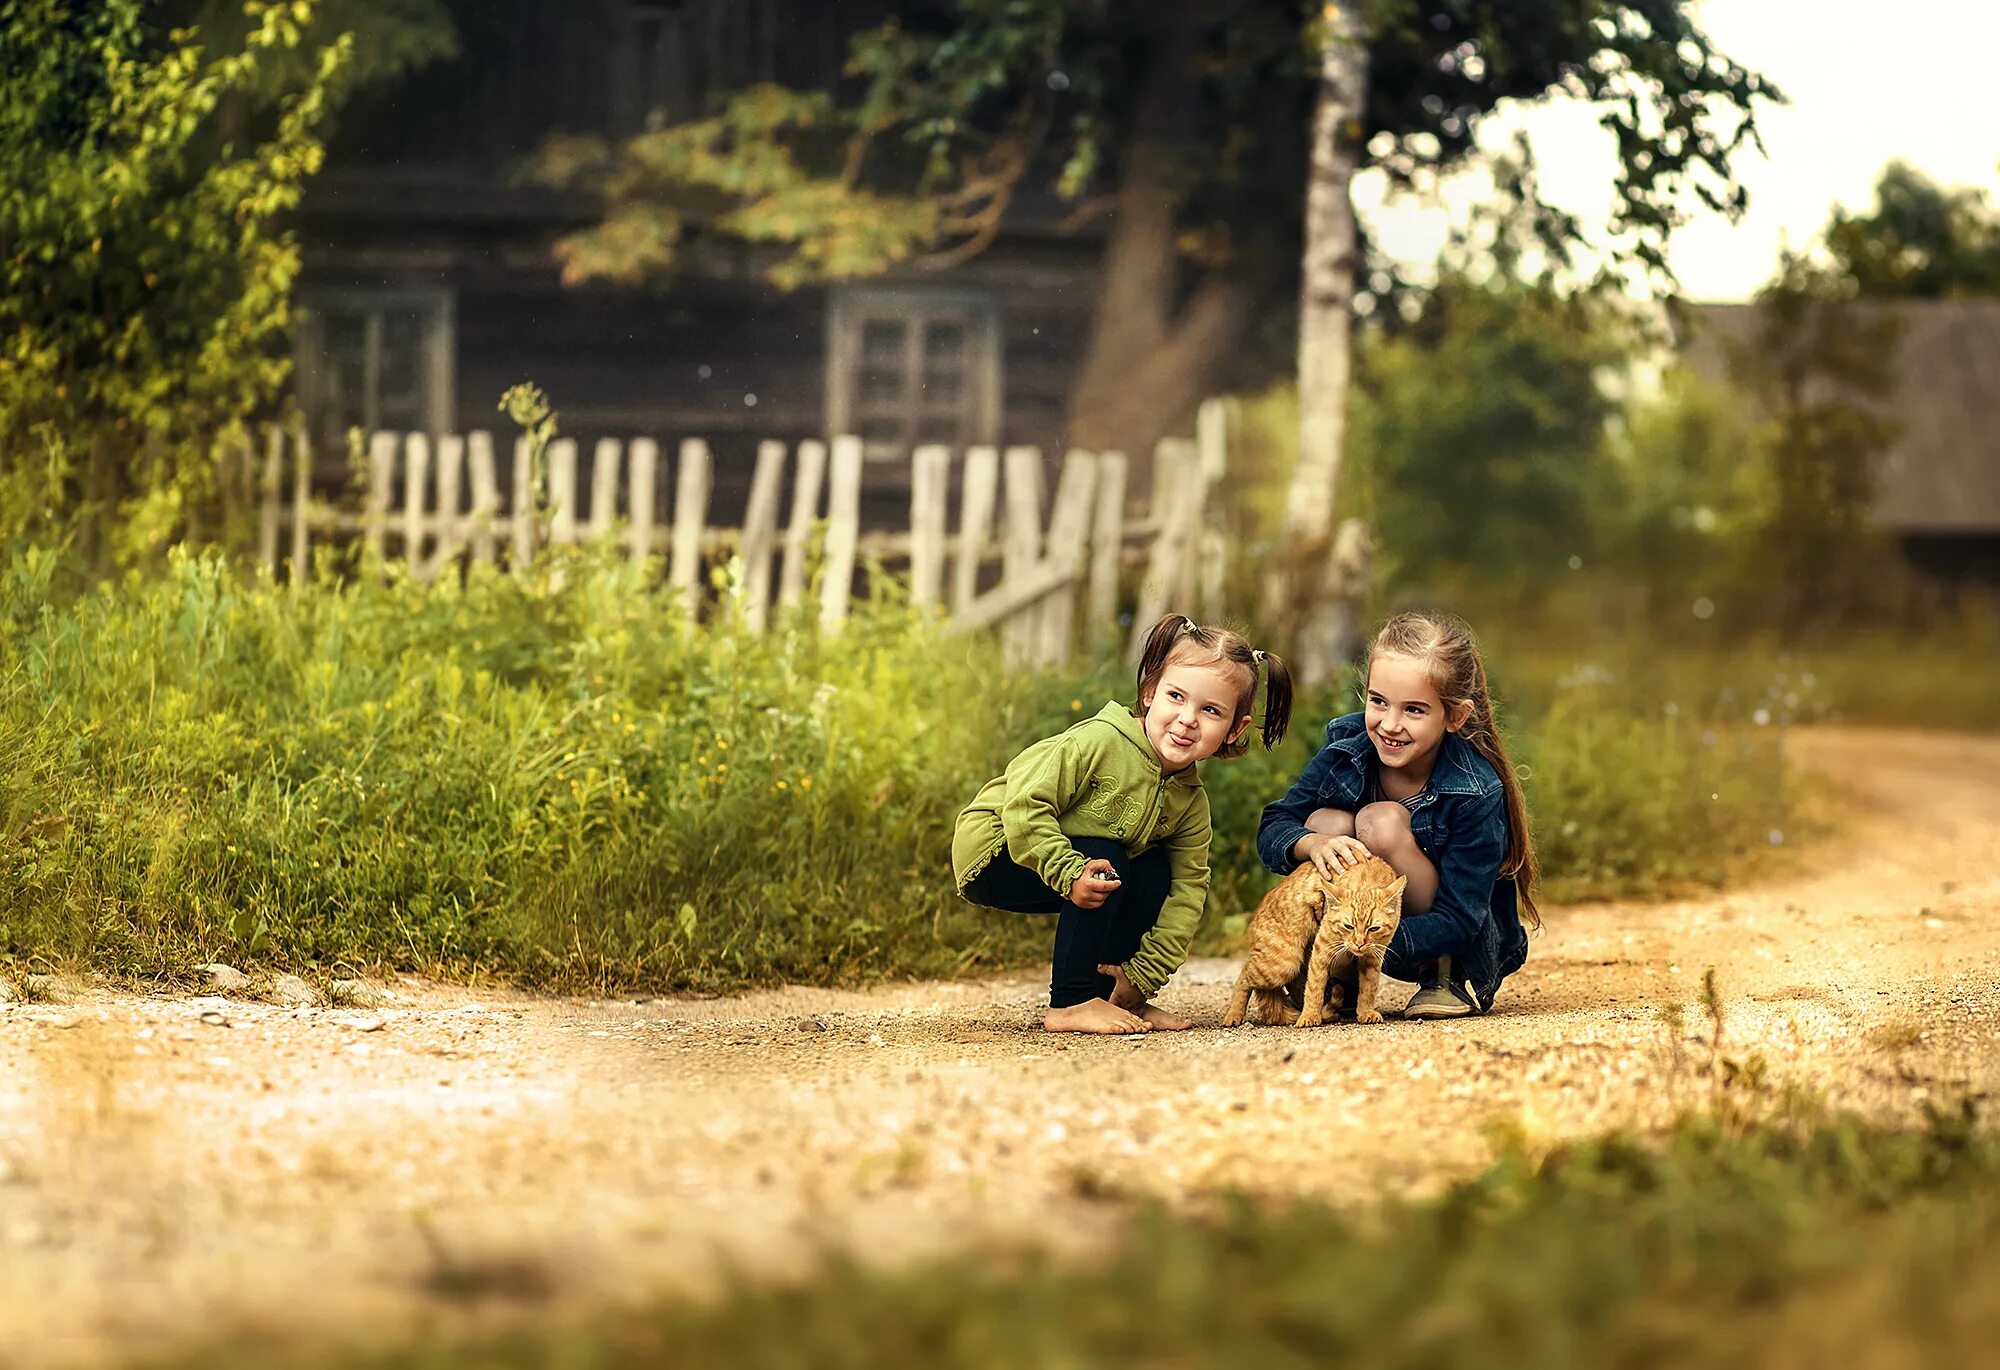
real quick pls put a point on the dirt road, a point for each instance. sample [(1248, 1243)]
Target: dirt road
[(179, 1167)]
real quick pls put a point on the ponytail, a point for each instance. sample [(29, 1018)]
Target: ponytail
[(1159, 646), (1277, 696)]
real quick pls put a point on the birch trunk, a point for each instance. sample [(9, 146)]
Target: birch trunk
[(1307, 592)]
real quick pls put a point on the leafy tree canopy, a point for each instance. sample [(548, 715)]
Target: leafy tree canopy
[(1921, 241), (952, 110)]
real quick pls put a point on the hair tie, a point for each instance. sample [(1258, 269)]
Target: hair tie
[(1187, 625), (1257, 654)]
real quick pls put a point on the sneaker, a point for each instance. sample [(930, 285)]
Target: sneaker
[(1440, 995)]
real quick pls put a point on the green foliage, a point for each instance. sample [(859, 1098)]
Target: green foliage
[(1766, 1234), (145, 280), (1479, 437), (555, 779), (387, 40), (1629, 799), (1920, 242), (955, 109), (1687, 461)]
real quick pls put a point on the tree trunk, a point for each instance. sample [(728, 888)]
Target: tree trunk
[(1311, 593), (1148, 365)]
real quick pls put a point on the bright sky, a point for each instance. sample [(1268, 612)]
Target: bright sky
[(1867, 83)]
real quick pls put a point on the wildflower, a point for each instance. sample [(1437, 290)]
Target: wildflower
[(781, 785), (1075, 705), (805, 782)]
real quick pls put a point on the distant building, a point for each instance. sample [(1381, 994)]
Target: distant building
[(1938, 485), (429, 284)]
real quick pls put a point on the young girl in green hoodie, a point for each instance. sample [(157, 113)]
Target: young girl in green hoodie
[(1106, 825)]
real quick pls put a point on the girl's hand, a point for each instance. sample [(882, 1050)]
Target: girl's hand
[(1331, 853), (1094, 886), (1122, 993)]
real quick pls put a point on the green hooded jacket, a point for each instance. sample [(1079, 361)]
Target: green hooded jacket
[(1100, 778)]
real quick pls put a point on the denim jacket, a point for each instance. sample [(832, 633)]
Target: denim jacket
[(1460, 823)]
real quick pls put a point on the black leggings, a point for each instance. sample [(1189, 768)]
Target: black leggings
[(1085, 938)]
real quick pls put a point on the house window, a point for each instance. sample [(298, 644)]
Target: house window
[(912, 367), (376, 359), (654, 66)]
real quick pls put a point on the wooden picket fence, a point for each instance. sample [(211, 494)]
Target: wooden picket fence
[(1060, 561)]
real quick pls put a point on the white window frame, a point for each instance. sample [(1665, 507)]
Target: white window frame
[(850, 310), (439, 348)]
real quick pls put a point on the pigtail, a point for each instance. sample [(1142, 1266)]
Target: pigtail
[(1159, 646), (1277, 697)]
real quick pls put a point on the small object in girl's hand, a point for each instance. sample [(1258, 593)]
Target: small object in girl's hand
[(1105, 877)]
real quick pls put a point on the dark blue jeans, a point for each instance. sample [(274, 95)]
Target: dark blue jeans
[(1085, 938)]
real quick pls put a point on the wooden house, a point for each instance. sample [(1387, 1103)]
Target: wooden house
[(1937, 487), (430, 285)]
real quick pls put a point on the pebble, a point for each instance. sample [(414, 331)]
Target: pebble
[(292, 991), (224, 978), (371, 1024), (215, 1019)]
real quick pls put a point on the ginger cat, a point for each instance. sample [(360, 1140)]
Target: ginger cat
[(1320, 927)]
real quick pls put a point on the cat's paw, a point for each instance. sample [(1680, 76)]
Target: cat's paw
[(1367, 1015)]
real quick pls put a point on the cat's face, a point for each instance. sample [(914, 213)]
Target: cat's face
[(1369, 918)]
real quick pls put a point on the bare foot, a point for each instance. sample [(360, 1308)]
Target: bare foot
[(1163, 1020), (1094, 1015)]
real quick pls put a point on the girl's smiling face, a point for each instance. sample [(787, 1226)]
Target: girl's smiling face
[(1405, 718), (1193, 712)]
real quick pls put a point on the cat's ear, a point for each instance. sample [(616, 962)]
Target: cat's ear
[(1396, 885)]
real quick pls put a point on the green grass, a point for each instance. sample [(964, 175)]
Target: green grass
[(555, 780)]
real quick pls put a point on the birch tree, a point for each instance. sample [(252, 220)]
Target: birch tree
[(1307, 588)]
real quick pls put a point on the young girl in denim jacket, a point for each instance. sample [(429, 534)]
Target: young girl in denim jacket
[(1106, 825), (1421, 779)]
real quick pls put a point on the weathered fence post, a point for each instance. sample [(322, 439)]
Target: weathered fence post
[(1173, 500), (416, 488), (526, 515), (604, 461), (1211, 429), (798, 531), (1107, 542), (642, 499), (451, 471), (1023, 544), (930, 475), (562, 490), (760, 532), (975, 520), (485, 497), (301, 499), (691, 488), (381, 471), (843, 532), (1069, 533), (269, 507)]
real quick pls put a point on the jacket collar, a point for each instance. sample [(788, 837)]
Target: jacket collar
[(1454, 771), (1133, 730)]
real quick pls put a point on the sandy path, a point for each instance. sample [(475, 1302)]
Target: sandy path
[(163, 1174)]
